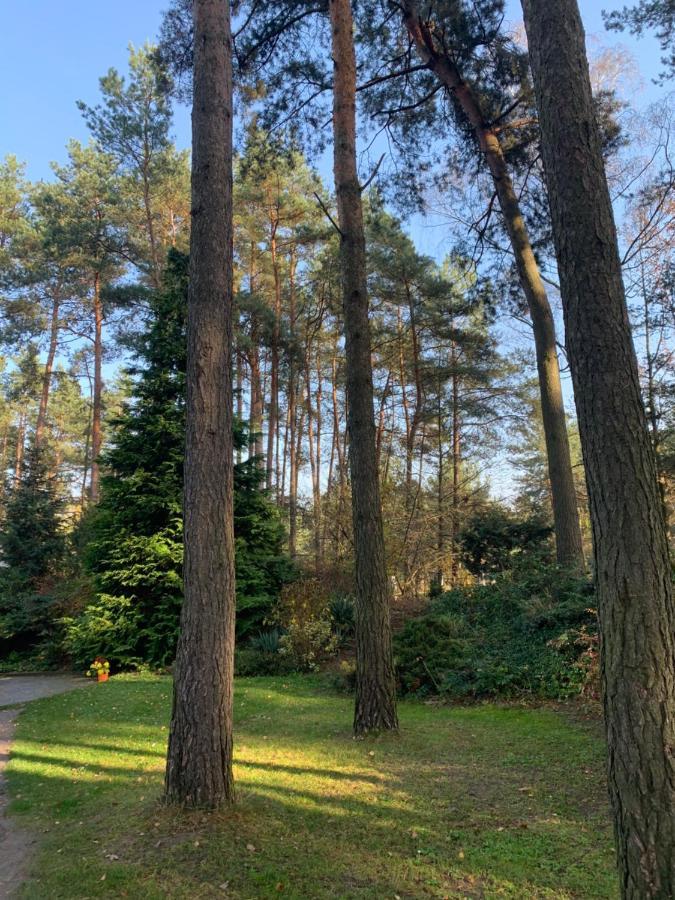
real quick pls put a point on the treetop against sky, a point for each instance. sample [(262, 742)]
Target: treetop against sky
[(53, 54)]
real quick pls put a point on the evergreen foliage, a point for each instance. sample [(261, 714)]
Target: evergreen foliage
[(529, 633), (133, 538), (33, 547)]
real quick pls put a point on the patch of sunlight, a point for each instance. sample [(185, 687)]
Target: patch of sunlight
[(36, 755), (64, 772)]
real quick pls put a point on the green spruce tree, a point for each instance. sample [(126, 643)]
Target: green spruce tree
[(33, 552), (134, 537)]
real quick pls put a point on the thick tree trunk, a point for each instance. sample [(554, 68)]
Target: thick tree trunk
[(199, 764), (47, 373), (97, 406), (375, 685), (632, 565), (569, 546)]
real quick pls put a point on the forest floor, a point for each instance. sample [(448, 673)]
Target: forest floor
[(483, 801)]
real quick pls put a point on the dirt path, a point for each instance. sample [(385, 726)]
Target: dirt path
[(15, 843)]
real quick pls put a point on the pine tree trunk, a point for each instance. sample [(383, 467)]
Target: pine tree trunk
[(256, 401), (20, 447), (273, 416), (47, 373), (3, 464), (440, 489), (632, 566), (239, 391), (292, 416), (97, 407), (652, 410), (569, 547), (156, 271), (85, 461), (317, 499), (199, 763), (375, 706), (456, 467)]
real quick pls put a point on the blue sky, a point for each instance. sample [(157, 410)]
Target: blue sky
[(52, 54)]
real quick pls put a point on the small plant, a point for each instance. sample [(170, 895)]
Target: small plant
[(100, 666), (342, 612), (345, 678), (250, 663), (266, 641)]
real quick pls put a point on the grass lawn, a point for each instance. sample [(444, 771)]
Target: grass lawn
[(467, 802)]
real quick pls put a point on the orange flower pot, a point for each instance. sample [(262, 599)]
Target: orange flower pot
[(103, 676)]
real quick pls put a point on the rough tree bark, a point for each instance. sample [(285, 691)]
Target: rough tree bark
[(20, 447), (47, 373), (97, 405), (632, 566), (273, 415), (199, 764), (569, 547), (375, 706)]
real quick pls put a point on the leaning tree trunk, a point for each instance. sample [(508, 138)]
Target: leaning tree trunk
[(569, 547), (199, 764), (375, 686), (632, 566)]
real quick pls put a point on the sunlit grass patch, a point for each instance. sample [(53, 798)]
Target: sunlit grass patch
[(466, 802)]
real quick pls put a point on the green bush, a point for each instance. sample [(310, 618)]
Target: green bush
[(496, 540), (524, 635), (303, 614), (107, 627), (344, 679), (266, 641), (250, 662), (341, 608)]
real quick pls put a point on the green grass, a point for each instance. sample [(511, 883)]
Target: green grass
[(482, 801)]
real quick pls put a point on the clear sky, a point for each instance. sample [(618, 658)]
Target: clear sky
[(52, 54)]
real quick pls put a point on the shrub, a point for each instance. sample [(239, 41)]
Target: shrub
[(497, 541), (266, 641), (345, 678), (527, 634), (341, 608), (108, 627), (426, 650), (306, 642), (304, 615), (249, 662)]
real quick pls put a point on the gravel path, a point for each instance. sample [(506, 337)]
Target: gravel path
[(15, 843)]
